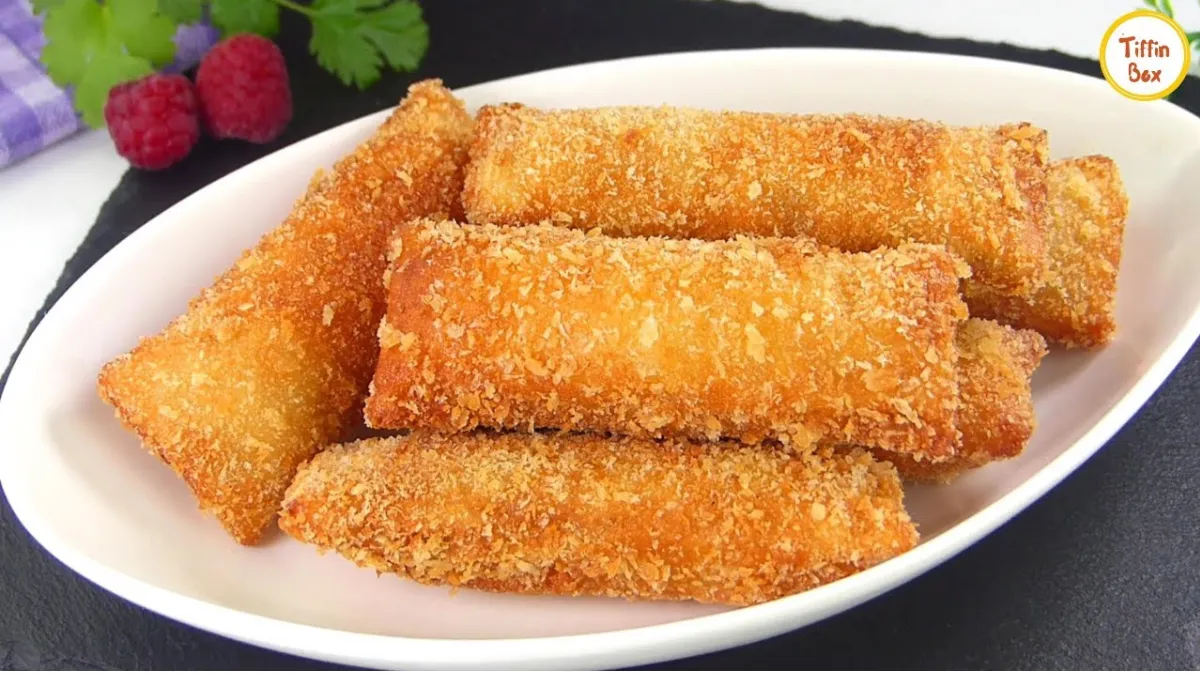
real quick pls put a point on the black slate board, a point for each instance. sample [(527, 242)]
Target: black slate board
[(1104, 572)]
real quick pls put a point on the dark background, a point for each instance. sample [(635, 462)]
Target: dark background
[(1104, 572)]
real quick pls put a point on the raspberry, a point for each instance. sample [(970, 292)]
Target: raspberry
[(243, 88), (153, 121)]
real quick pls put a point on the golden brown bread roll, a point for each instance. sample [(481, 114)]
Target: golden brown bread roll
[(273, 360)]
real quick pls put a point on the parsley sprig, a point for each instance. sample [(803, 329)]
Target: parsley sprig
[(354, 38), (94, 46)]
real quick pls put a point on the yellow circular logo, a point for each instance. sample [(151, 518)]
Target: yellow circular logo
[(1145, 55)]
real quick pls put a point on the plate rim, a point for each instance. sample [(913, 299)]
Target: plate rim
[(613, 648)]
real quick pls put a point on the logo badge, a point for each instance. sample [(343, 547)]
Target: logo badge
[(1145, 55)]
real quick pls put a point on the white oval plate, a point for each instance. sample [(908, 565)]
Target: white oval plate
[(93, 499)]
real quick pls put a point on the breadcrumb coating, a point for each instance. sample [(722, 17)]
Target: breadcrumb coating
[(273, 360), (996, 416), (547, 327), (1085, 234), (854, 182), (587, 515)]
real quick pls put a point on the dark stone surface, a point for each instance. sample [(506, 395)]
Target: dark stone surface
[(1104, 572)]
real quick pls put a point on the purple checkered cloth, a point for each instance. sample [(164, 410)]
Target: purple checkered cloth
[(35, 113)]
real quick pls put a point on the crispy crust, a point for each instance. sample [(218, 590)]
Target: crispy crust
[(1088, 209), (996, 417), (585, 515), (851, 181), (547, 327), (273, 360)]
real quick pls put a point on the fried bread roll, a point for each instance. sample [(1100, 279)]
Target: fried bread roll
[(995, 416), (1085, 232), (547, 327), (273, 360), (587, 515), (854, 182)]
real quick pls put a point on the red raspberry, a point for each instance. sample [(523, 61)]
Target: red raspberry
[(153, 121), (243, 87)]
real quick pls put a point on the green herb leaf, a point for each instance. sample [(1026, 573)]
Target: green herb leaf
[(246, 16), (93, 47), (354, 61), (144, 32), (1161, 6), (354, 38), (107, 69), (182, 11), (1155, 5), (43, 6), (75, 31), (400, 34)]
